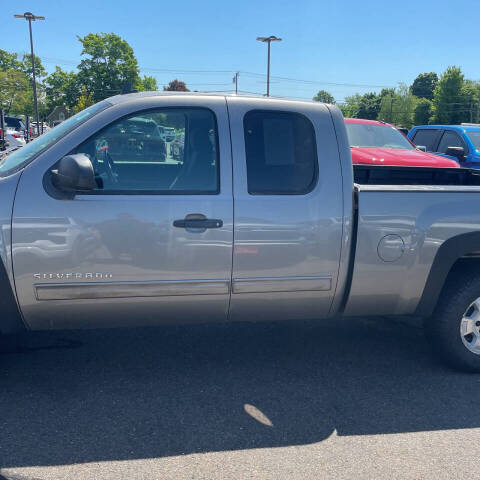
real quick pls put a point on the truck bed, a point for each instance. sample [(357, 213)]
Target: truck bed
[(394, 175)]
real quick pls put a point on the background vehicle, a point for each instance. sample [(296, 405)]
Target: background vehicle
[(38, 131), (14, 137), (461, 142), (15, 126), (378, 143), (169, 134), (177, 147), (402, 130), (265, 218)]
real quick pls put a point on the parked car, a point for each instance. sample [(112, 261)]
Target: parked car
[(16, 125), (38, 131), (169, 134), (402, 130), (177, 147), (461, 142), (378, 143), (15, 136), (273, 223)]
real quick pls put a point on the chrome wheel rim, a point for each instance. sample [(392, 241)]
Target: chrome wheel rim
[(470, 327)]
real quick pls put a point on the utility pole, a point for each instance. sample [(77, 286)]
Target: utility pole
[(31, 17), (268, 40), (235, 81), (391, 108)]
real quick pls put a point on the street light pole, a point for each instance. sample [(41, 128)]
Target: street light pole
[(31, 17), (268, 40)]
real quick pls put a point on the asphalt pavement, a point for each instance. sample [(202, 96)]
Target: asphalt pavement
[(358, 398)]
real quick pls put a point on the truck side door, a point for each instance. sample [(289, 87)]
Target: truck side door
[(288, 210), (134, 250)]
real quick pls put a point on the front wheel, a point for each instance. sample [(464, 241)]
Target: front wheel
[(454, 328)]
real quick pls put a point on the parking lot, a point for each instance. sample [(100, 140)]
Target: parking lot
[(336, 399)]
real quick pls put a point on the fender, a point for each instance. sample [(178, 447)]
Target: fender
[(10, 318), (448, 253)]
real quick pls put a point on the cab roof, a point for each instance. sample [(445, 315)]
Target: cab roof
[(367, 122), (458, 128), (125, 97)]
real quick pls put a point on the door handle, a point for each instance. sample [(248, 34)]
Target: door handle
[(198, 223)]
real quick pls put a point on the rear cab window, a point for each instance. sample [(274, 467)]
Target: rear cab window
[(281, 153)]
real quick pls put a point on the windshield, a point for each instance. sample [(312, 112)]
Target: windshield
[(376, 136), (21, 157), (475, 138)]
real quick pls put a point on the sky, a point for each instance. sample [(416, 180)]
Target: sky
[(343, 46)]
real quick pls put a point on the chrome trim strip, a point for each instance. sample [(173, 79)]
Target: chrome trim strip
[(81, 290), (281, 284)]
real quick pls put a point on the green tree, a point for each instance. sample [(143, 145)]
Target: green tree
[(397, 106), (470, 93), (424, 85), (61, 88), (351, 106), (85, 100), (422, 112), (324, 97), (8, 61), (26, 66), (15, 92), (110, 65), (369, 106), (147, 83), (176, 86), (454, 97)]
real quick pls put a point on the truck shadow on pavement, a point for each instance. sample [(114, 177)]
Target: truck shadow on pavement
[(155, 392)]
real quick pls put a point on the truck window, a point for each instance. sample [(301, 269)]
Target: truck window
[(450, 139), (281, 153), (427, 138), (20, 158), (135, 155)]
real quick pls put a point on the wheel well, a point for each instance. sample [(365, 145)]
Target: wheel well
[(456, 256)]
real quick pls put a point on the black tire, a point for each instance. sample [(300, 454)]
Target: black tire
[(442, 329)]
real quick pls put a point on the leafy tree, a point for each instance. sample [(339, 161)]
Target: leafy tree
[(424, 85), (351, 105), (61, 88), (26, 66), (110, 65), (8, 61), (422, 112), (324, 97), (397, 106), (85, 100), (147, 83), (470, 93), (176, 86), (15, 92), (369, 106), (453, 97)]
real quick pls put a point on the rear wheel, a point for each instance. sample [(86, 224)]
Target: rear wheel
[(454, 328)]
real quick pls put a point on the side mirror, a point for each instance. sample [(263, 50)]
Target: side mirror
[(74, 174), (422, 148), (457, 152)]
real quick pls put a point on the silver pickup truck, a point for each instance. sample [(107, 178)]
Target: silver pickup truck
[(259, 215)]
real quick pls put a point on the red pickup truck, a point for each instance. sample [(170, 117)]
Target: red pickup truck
[(378, 143)]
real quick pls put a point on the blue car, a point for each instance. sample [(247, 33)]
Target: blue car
[(461, 142)]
